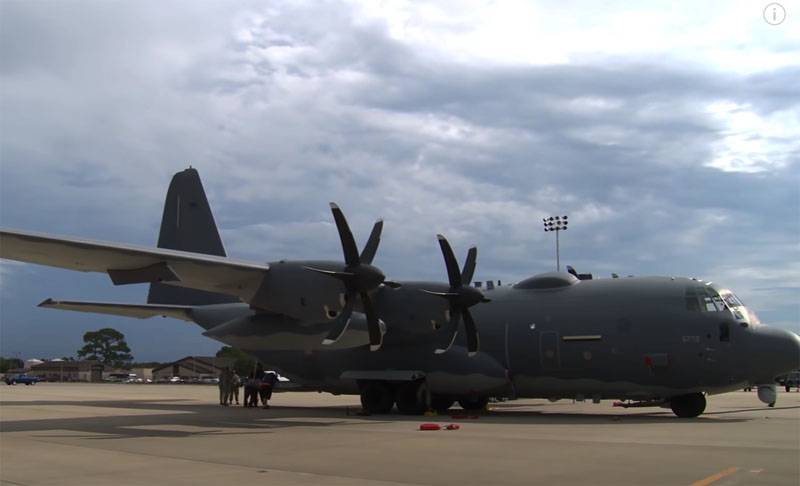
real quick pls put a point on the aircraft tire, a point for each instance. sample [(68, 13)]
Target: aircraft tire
[(441, 404), (409, 399), (688, 406), (475, 404), (377, 397)]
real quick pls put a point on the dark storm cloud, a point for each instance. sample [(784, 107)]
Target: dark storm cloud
[(287, 107)]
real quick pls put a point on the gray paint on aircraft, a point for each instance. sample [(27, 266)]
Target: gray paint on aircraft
[(654, 339)]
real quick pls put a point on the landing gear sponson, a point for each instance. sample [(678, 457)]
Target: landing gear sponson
[(411, 398)]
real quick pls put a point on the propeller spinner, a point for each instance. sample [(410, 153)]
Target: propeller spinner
[(461, 297), (359, 277)]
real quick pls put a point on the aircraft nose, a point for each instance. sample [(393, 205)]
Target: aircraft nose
[(777, 352)]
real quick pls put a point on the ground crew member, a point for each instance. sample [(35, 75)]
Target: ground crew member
[(270, 379), (250, 389), (225, 378), (236, 383)]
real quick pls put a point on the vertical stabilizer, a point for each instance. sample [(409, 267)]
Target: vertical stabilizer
[(187, 225)]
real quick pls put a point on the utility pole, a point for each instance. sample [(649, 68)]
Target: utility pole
[(557, 224)]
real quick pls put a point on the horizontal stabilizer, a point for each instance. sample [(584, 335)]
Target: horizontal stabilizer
[(139, 311)]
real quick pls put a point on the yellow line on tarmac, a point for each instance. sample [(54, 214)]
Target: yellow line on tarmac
[(715, 477)]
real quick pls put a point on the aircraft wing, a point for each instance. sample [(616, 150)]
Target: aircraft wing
[(127, 264), (139, 311)]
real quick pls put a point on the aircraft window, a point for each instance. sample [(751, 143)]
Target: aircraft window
[(708, 305), (691, 302), (704, 299), (731, 299)]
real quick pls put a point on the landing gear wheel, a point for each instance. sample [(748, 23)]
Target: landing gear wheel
[(474, 404), (688, 406), (377, 397), (410, 398), (441, 404)]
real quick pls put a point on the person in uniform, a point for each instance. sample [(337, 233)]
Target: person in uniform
[(249, 390), (225, 377), (236, 383)]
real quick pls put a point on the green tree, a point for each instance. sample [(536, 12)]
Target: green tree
[(10, 364), (243, 363), (107, 346)]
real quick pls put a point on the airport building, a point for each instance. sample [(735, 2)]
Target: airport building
[(68, 371), (192, 368)]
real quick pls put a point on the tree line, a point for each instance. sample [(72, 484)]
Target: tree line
[(108, 347)]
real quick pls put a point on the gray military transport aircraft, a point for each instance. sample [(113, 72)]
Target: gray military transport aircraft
[(342, 327)]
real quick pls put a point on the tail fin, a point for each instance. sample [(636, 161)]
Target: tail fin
[(188, 225)]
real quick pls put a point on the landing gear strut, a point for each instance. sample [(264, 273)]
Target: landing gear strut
[(411, 397), (441, 403), (377, 397), (688, 406), (474, 404)]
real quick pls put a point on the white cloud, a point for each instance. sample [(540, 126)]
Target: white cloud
[(753, 143)]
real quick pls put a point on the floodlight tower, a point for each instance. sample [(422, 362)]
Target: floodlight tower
[(556, 223)]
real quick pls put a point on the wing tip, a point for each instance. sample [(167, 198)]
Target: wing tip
[(48, 302)]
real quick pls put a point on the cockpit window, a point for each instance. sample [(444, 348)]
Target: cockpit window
[(704, 299), (730, 299)]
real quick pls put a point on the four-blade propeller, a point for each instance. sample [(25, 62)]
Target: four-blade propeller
[(359, 277), (461, 297)]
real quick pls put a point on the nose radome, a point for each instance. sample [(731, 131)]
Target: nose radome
[(794, 337), (787, 349), (774, 352)]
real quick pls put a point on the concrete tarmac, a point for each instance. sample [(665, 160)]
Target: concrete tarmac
[(115, 434)]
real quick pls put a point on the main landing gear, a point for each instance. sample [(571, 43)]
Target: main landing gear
[(411, 398), (377, 397), (685, 406), (688, 406)]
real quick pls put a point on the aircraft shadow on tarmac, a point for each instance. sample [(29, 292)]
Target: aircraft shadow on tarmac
[(186, 418)]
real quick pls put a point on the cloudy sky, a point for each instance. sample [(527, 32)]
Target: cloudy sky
[(670, 135)]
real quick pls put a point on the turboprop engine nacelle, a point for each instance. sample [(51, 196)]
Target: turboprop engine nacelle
[(290, 288)]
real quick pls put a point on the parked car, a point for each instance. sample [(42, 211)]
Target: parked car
[(27, 380), (791, 379)]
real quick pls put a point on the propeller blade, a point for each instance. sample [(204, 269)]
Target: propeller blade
[(453, 275), (440, 294), (473, 341), (340, 275), (368, 253), (348, 242), (469, 266), (339, 326), (373, 326), (448, 336), (394, 285)]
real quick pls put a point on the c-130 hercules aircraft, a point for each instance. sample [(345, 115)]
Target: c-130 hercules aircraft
[(342, 327)]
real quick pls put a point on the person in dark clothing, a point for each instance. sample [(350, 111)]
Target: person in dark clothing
[(250, 391), (260, 385), (267, 385)]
